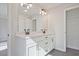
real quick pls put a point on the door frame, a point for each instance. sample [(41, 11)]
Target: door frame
[(65, 21), (12, 26), (9, 29)]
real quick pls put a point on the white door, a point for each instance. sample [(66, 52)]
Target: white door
[(72, 17)]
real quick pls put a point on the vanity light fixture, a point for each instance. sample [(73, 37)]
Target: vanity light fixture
[(22, 4), (26, 5), (43, 12)]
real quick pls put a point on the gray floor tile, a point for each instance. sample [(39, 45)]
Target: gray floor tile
[(69, 52)]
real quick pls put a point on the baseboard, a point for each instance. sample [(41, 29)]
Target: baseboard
[(73, 47), (60, 49)]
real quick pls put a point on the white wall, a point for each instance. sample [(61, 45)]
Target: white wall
[(51, 27), (57, 17), (41, 22)]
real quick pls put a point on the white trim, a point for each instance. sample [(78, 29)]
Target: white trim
[(9, 28), (67, 9), (60, 49), (73, 47), (65, 29), (73, 7)]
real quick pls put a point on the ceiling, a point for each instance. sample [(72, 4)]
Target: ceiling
[(35, 9)]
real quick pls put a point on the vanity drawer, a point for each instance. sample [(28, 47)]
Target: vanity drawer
[(47, 43), (43, 44), (37, 39)]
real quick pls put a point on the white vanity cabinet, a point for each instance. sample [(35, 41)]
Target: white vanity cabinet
[(24, 47), (34, 46)]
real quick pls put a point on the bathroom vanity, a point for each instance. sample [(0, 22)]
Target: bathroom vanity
[(34, 44)]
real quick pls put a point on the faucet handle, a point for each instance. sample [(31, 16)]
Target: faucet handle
[(25, 30), (44, 30)]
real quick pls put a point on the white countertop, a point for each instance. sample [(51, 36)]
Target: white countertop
[(33, 34)]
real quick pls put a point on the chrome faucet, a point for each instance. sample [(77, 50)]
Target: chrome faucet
[(27, 31), (43, 30)]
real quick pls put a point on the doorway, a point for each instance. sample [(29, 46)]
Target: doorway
[(72, 28)]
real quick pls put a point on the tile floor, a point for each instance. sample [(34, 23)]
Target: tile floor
[(69, 52)]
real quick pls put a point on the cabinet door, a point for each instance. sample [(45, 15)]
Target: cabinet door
[(42, 50), (46, 45), (32, 51), (50, 42)]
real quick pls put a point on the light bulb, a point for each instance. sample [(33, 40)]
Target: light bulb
[(30, 5), (22, 4), (40, 12), (45, 13)]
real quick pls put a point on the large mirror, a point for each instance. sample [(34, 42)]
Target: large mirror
[(32, 18)]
